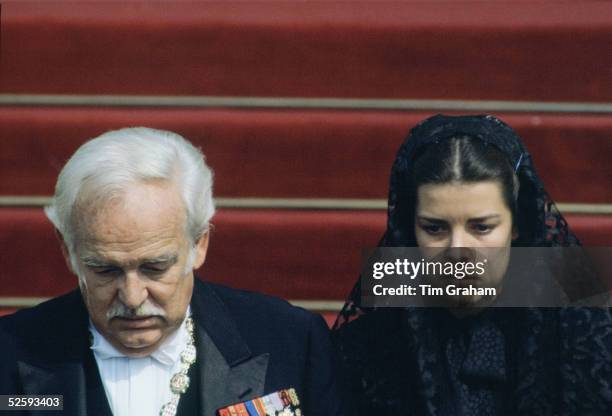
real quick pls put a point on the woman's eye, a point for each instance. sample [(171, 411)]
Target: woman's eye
[(433, 229), (483, 228)]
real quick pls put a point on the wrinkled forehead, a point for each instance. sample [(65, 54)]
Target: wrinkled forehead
[(136, 210)]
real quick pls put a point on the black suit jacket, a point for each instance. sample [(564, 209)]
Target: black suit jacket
[(248, 345)]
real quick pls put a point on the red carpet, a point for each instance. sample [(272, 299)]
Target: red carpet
[(299, 154), (500, 50)]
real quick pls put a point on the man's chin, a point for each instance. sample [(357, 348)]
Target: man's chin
[(139, 343), (136, 337)]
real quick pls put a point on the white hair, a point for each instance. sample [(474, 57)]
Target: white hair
[(110, 163)]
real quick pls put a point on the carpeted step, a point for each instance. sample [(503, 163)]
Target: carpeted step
[(8, 311), (296, 154), (294, 254), (534, 51)]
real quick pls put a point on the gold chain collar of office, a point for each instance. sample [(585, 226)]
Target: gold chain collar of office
[(179, 383)]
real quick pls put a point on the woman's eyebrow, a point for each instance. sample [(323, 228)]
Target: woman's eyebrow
[(431, 219), (484, 218)]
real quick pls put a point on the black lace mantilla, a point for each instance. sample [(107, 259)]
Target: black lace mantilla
[(545, 361)]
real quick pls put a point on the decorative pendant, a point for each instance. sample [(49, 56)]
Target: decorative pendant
[(179, 383)]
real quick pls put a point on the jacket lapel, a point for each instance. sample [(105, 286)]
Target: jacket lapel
[(57, 365), (228, 370)]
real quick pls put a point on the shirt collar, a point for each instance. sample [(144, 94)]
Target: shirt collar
[(168, 352)]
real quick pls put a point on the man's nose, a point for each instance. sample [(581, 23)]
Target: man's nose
[(133, 290)]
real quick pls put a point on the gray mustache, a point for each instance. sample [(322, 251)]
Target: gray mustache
[(148, 308)]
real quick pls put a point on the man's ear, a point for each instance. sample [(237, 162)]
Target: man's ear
[(64, 249), (201, 248), (515, 233)]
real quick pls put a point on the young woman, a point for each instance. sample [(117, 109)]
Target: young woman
[(469, 182)]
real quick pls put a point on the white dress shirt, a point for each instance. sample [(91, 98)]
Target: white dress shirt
[(138, 386)]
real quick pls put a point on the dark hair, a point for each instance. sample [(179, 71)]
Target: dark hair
[(463, 159), (484, 148), (466, 159)]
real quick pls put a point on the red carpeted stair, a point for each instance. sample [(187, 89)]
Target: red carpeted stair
[(497, 50), (296, 154), (539, 52)]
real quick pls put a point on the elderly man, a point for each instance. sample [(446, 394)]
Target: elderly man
[(142, 336)]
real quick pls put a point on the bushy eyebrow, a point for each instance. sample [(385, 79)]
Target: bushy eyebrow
[(90, 261), (168, 258), (96, 262)]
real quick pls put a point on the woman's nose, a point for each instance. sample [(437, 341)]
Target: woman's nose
[(458, 238), (460, 247)]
